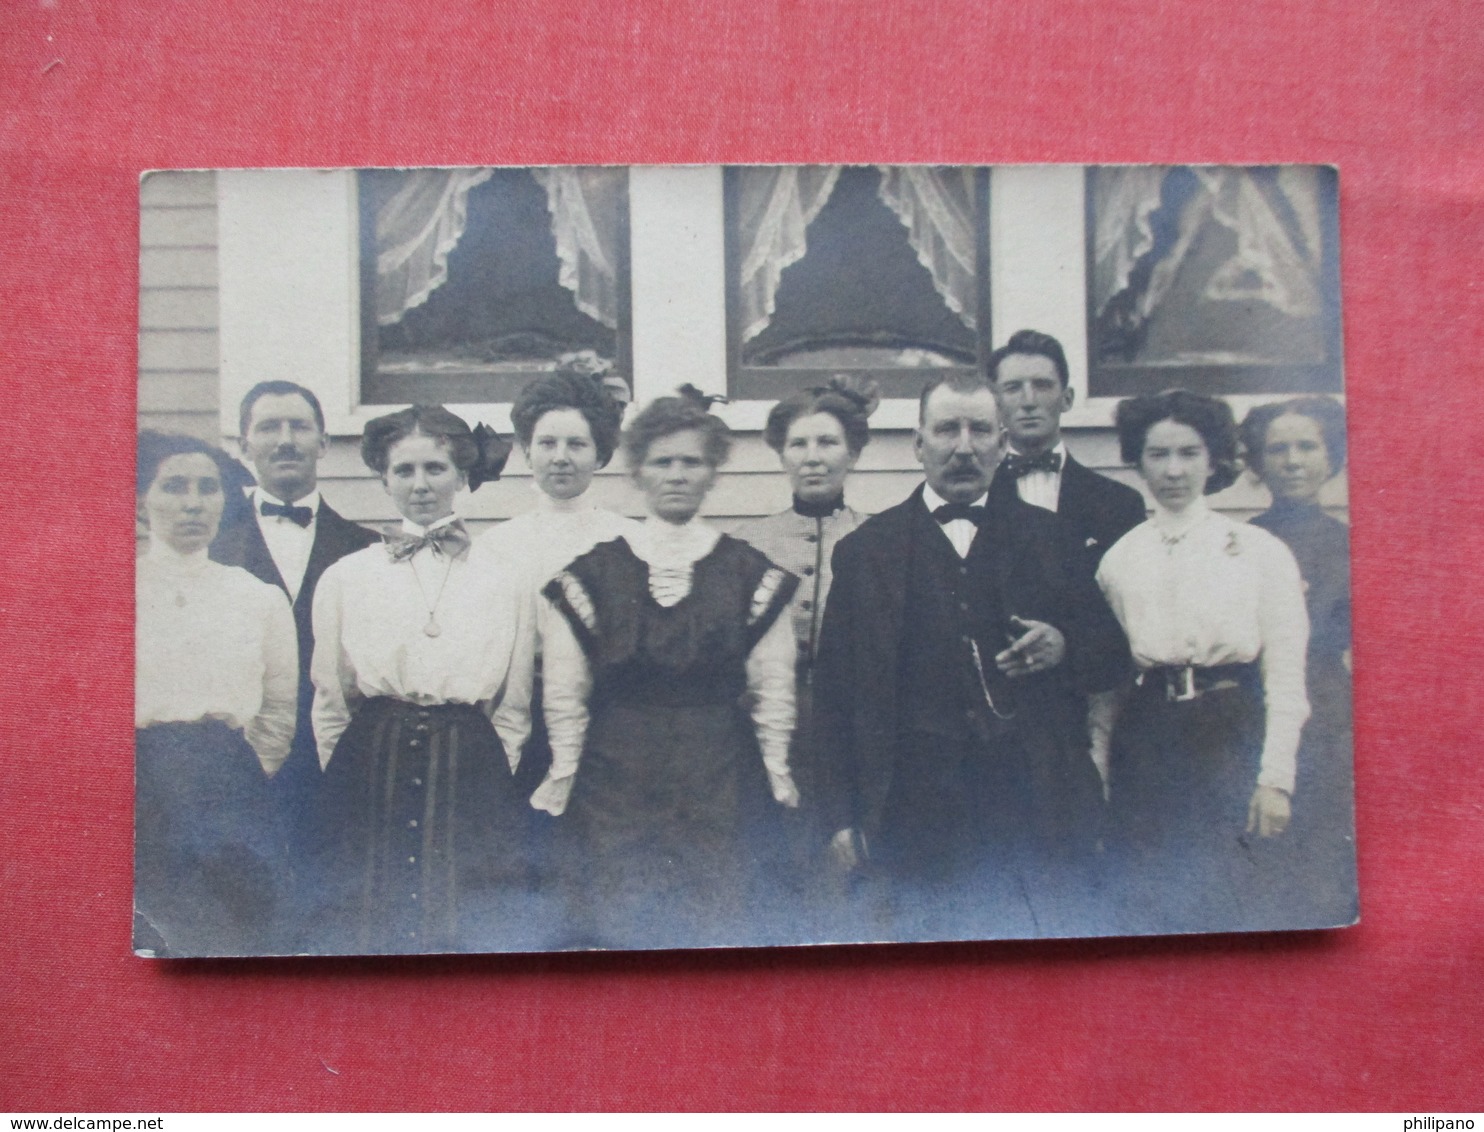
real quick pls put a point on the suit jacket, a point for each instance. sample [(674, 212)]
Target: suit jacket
[(857, 713), (1095, 511), (240, 543)]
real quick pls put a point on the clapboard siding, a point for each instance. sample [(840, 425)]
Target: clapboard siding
[(179, 375)]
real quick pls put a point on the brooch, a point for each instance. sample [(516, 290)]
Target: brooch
[(1233, 544)]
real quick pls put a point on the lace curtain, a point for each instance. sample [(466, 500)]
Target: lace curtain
[(776, 205), (1274, 217), (936, 205), (423, 220), (416, 229)]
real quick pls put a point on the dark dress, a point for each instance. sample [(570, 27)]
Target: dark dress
[(1321, 836), (671, 798), (208, 848)]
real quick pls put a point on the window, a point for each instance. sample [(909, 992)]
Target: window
[(877, 271), (474, 281), (1223, 279)]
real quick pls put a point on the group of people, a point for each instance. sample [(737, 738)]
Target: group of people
[(1011, 705)]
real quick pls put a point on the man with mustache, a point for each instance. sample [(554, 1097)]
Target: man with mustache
[(288, 539), (956, 653)]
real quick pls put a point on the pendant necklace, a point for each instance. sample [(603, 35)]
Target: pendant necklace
[(432, 628)]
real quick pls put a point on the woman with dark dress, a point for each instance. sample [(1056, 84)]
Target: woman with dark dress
[(1296, 447), (1205, 749), (819, 434), (665, 634), (421, 705), (216, 687)]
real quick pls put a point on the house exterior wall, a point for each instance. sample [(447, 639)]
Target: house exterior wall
[(180, 383)]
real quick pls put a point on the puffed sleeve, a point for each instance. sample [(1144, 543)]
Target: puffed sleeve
[(271, 731), (512, 707), (330, 670), (1284, 624), (770, 680)]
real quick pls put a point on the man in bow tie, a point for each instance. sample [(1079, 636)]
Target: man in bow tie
[(288, 537), (956, 649), (1032, 387)]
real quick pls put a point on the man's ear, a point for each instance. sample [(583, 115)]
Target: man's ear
[(1068, 395)]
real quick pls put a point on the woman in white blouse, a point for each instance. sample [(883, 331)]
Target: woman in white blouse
[(567, 424), (216, 684), (1204, 751), (421, 698), (664, 633)]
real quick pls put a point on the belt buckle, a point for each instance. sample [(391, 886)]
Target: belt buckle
[(1183, 690)]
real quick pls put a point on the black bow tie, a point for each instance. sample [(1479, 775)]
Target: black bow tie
[(1017, 465), (946, 513), (293, 512)]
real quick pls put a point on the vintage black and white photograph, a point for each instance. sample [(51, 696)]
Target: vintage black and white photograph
[(602, 557)]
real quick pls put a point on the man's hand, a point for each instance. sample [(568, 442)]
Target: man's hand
[(1268, 812), (842, 849), (1040, 648)]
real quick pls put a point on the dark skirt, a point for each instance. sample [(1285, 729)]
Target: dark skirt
[(419, 812), (209, 850), (1181, 783), (666, 814)]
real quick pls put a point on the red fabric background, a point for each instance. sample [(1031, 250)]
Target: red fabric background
[(1384, 1016)]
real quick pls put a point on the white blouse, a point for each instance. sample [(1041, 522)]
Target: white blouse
[(1198, 588), (371, 617), (671, 552), (541, 542), (213, 642)]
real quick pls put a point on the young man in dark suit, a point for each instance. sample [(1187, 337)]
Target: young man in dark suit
[(288, 536), (957, 648), (1030, 380), (1029, 376)]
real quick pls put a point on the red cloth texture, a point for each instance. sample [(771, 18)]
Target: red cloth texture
[(1383, 1016)]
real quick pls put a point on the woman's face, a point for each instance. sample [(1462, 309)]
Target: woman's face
[(1295, 459), (562, 454), (183, 505), (816, 457), (1175, 463), (421, 479), (675, 476)]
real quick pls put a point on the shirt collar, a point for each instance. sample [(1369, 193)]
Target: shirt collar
[(1060, 448), (934, 500), (669, 544), (171, 561), (1171, 524), (547, 505), (416, 530)]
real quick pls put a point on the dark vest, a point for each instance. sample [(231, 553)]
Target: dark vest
[(952, 603)]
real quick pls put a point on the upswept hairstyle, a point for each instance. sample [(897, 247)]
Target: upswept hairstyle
[(843, 399), (1326, 412), (1030, 342), (1211, 417), (276, 389), (156, 447), (567, 389), (479, 453), (687, 410)]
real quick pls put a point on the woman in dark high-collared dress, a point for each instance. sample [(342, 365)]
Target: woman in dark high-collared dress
[(818, 434), (664, 633), (216, 685), (1204, 752), (1296, 447)]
